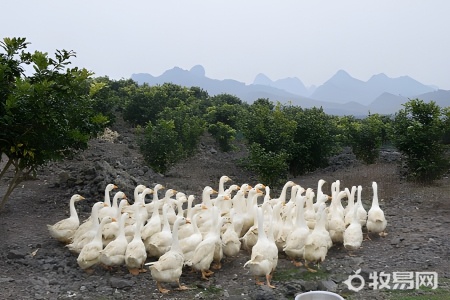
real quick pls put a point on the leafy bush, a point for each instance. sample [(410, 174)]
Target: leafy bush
[(271, 167), (366, 137), (160, 145), (418, 131), (223, 134)]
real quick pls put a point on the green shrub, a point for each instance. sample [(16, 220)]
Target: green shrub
[(418, 131)]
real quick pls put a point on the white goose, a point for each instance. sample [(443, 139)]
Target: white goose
[(87, 224), (353, 235), (376, 221), (204, 252), (169, 266), (336, 223), (113, 208), (113, 255), (160, 242), (135, 255), (318, 241), (90, 254), (189, 243), (362, 213), (295, 241), (230, 239), (79, 241), (264, 258), (111, 230), (348, 211), (65, 229)]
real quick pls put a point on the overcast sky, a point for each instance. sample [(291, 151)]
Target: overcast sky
[(237, 39)]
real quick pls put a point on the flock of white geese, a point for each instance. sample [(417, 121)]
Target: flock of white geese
[(304, 227)]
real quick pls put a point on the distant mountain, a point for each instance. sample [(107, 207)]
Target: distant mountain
[(340, 95), (291, 84), (343, 88)]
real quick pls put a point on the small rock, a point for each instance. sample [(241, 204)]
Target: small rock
[(328, 285), (120, 283), (16, 254)]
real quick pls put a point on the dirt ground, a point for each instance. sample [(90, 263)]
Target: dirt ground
[(34, 266)]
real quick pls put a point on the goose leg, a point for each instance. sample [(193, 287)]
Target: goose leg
[(268, 277)]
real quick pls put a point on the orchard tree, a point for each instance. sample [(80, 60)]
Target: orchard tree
[(43, 116), (418, 131), (366, 138)]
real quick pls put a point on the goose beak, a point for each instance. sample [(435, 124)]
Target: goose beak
[(215, 192), (204, 206), (113, 220), (188, 221), (115, 187)]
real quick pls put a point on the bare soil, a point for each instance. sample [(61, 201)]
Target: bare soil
[(34, 266)]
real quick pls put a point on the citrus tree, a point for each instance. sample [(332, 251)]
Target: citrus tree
[(43, 116), (418, 132)]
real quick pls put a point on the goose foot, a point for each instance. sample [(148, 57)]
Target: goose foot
[(297, 263), (383, 234), (217, 265), (161, 289), (258, 282), (206, 273), (182, 287), (89, 271), (134, 272)]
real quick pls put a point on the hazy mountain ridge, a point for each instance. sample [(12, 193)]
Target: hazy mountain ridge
[(340, 95)]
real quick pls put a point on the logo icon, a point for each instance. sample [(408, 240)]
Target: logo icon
[(349, 281)]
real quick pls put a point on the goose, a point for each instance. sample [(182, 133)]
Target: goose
[(187, 229), (237, 211), (353, 235), (309, 212), (282, 197), (376, 221), (267, 194), (139, 201), (90, 254), (204, 252), (264, 257), (336, 223), (249, 214), (222, 203), (169, 266), (204, 218), (153, 224), (160, 242), (189, 243), (113, 208), (318, 241), (348, 211), (113, 255), (362, 213), (87, 224), (80, 240), (107, 197), (111, 230), (250, 238), (230, 239), (155, 199), (135, 254), (65, 229), (218, 249), (320, 196), (295, 241)]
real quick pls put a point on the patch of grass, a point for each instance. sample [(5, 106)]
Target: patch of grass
[(286, 274), (424, 292), (320, 274), (213, 290)]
